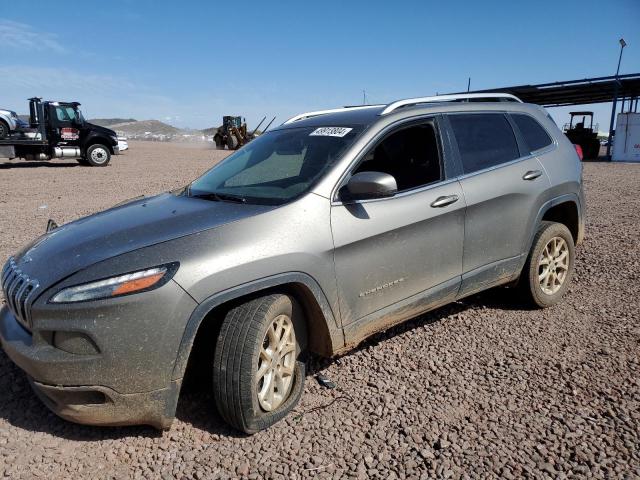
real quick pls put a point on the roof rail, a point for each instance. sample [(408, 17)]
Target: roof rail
[(302, 116), (449, 98)]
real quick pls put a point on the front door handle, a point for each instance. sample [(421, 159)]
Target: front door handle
[(532, 175), (444, 201)]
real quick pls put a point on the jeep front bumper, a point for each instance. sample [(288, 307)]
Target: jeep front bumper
[(126, 379)]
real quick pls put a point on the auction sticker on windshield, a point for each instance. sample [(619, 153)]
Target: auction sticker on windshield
[(330, 131)]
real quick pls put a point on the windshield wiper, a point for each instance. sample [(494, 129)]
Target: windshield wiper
[(220, 197)]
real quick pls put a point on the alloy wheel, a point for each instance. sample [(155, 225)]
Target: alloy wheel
[(553, 265), (276, 363)]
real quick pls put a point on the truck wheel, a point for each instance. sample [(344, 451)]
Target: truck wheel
[(258, 376), (549, 268), (98, 155), (219, 143), (4, 129), (232, 142)]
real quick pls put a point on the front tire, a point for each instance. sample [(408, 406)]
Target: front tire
[(258, 375), (549, 268), (98, 155), (232, 142)]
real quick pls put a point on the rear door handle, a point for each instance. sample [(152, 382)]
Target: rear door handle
[(444, 201), (532, 175)]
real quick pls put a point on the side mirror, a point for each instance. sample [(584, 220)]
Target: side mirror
[(365, 185)]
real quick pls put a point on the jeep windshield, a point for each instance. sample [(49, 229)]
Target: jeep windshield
[(276, 167)]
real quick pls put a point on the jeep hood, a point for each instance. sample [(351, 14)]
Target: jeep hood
[(121, 229)]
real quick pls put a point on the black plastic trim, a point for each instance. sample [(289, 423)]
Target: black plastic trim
[(210, 303)]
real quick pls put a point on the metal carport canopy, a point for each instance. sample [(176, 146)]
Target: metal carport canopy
[(575, 92)]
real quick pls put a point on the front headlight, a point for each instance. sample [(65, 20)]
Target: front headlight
[(135, 282)]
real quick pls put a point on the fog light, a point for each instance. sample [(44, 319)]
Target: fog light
[(75, 342)]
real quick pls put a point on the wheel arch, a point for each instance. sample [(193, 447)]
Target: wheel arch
[(565, 209), (324, 335), (566, 213)]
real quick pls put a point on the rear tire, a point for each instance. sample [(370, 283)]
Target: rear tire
[(258, 375), (549, 268), (98, 155), (4, 129)]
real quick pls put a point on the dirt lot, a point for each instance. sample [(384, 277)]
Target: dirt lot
[(479, 389)]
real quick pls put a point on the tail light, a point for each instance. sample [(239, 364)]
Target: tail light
[(579, 151)]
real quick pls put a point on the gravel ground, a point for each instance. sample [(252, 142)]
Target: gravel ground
[(483, 388)]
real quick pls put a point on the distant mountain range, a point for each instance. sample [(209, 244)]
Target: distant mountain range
[(108, 122), (131, 127), (209, 131), (142, 127)]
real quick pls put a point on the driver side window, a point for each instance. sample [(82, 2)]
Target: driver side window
[(411, 155), (65, 114), (61, 113)]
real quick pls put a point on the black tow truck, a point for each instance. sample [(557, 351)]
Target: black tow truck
[(58, 130)]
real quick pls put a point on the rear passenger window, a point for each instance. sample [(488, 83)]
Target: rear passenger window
[(484, 140), (533, 133)]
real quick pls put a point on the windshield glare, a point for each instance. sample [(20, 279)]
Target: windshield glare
[(277, 166)]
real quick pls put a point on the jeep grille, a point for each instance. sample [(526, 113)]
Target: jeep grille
[(18, 291)]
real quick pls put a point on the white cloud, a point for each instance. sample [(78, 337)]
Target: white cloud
[(100, 93), (48, 78), (22, 37)]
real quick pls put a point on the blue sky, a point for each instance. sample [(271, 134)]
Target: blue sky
[(190, 62)]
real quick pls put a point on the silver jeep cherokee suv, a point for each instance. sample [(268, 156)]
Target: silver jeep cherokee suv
[(331, 227)]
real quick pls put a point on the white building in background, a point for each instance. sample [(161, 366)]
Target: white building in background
[(626, 142)]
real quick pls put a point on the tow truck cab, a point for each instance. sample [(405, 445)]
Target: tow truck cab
[(58, 130)]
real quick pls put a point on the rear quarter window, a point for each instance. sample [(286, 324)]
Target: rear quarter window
[(534, 134)]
